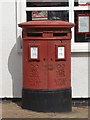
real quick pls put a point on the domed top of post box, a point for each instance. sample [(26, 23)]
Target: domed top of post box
[(46, 24)]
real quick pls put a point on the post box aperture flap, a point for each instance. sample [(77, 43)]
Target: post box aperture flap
[(47, 65)]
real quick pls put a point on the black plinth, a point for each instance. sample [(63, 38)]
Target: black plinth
[(47, 100)]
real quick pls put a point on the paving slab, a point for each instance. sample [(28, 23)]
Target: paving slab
[(14, 110)]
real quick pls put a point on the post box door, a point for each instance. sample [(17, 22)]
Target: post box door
[(58, 64), (35, 64), (48, 65)]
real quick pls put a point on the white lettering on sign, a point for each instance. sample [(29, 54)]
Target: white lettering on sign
[(34, 52), (61, 52)]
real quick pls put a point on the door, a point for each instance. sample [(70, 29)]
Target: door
[(46, 64), (59, 64), (35, 64)]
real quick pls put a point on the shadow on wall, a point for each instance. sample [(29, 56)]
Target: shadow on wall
[(15, 69)]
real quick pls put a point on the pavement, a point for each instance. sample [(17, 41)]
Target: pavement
[(14, 110)]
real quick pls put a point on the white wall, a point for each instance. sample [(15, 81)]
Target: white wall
[(79, 76), (11, 60), (11, 74), (0, 51)]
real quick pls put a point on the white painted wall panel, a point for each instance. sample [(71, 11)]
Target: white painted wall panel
[(11, 60), (0, 50), (79, 74)]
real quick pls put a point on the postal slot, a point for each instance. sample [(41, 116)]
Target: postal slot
[(34, 34), (59, 34)]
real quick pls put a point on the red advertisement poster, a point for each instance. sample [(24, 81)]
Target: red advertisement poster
[(39, 15)]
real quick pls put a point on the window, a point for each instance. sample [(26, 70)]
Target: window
[(67, 10), (34, 3), (84, 34), (48, 15)]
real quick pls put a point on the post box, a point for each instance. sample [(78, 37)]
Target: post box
[(47, 65)]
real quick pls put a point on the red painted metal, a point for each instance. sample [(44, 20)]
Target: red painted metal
[(46, 71), (47, 24)]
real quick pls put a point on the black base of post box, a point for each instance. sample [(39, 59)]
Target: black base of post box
[(47, 100)]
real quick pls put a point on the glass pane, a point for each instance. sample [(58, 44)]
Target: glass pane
[(75, 2), (58, 15), (48, 15), (46, 3), (29, 15)]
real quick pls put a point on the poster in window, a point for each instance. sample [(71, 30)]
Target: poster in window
[(39, 15), (83, 23)]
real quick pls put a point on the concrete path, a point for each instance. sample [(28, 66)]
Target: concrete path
[(14, 110)]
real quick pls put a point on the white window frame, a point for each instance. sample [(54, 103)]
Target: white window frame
[(21, 17)]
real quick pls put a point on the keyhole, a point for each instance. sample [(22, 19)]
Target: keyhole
[(44, 59), (51, 59)]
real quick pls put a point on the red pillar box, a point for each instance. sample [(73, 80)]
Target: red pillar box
[(47, 65)]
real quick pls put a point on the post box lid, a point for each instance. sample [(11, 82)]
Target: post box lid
[(46, 23)]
